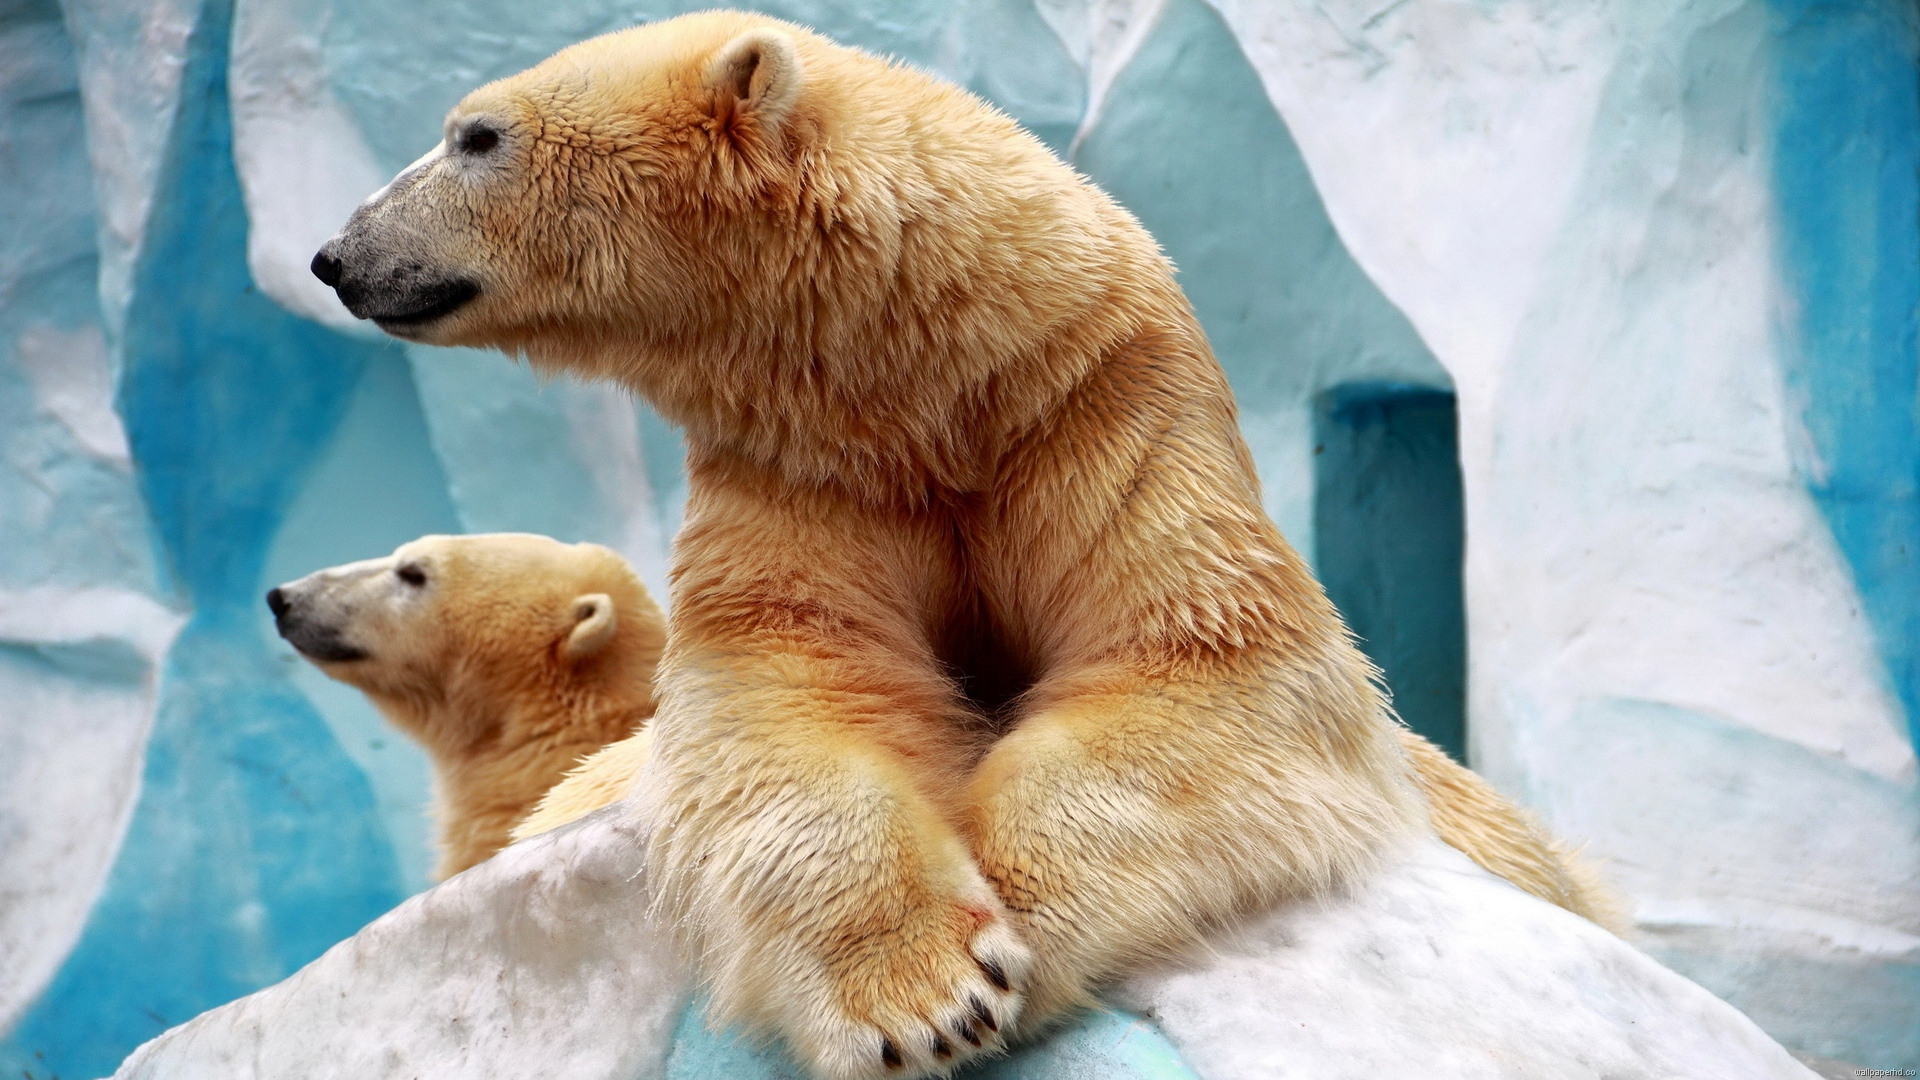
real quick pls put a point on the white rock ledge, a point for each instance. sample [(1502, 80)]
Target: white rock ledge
[(1436, 969), (541, 962)]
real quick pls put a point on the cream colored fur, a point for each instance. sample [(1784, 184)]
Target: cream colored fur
[(1466, 811), (511, 659), (601, 779), (989, 679)]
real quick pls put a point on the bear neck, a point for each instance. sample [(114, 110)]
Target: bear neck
[(496, 753), (888, 441), (898, 375)]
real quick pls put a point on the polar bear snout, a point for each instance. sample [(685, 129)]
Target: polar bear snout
[(398, 294), (315, 629), (326, 267), (398, 260)]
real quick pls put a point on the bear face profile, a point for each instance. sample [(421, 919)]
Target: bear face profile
[(508, 657), (989, 678)]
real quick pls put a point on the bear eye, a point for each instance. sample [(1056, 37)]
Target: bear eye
[(479, 139), (411, 574)]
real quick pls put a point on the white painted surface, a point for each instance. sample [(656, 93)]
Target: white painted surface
[(1589, 254), (303, 163), (131, 57), (78, 674), (541, 963), (538, 962), (1439, 970), (1585, 244), (604, 431), (1669, 658), (1100, 36), (72, 378)]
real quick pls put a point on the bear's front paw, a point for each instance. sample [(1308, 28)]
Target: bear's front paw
[(920, 998)]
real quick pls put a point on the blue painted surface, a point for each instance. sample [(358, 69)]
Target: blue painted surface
[(1390, 531), (1100, 1045), (506, 437), (664, 451), (255, 844), (267, 446), (375, 485), (1847, 181), (1189, 143)]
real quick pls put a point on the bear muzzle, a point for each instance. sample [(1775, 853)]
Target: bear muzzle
[(397, 298), (313, 639)]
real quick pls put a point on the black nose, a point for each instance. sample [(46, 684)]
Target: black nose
[(326, 268), (277, 603)]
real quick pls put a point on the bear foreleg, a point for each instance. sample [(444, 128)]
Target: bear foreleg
[(807, 757), (1132, 813)]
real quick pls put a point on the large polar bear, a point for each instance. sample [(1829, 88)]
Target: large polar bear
[(508, 657), (988, 678)]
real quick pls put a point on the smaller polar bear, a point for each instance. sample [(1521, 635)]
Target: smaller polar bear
[(509, 657)]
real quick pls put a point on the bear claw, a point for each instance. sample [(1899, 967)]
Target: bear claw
[(984, 1014), (930, 1005), (995, 975)]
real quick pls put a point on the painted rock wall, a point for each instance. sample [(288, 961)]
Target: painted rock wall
[(1663, 261)]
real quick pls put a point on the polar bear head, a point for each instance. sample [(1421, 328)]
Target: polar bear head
[(583, 190), (788, 246), (452, 615), (508, 657)]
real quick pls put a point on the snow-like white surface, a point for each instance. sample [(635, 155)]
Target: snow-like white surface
[(1589, 252), (542, 963), (303, 163), (1100, 36), (72, 377), (539, 962), (77, 682), (1669, 655), (1437, 969), (559, 457), (80, 636), (604, 434), (131, 57)]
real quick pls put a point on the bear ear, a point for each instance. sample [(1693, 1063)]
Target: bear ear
[(594, 622), (756, 75)]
